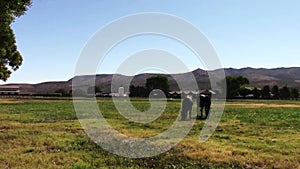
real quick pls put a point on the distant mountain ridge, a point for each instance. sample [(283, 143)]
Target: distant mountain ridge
[(258, 77)]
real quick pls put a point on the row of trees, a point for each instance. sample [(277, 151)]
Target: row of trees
[(236, 88), (279, 93)]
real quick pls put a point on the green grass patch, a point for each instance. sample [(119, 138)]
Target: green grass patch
[(251, 134)]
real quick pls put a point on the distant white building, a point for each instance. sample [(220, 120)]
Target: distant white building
[(121, 91)]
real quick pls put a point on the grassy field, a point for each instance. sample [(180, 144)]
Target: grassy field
[(251, 134)]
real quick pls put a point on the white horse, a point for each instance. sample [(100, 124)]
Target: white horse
[(187, 105)]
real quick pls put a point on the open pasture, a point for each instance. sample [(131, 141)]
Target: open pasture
[(251, 134)]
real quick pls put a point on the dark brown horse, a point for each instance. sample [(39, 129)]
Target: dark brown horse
[(204, 102)]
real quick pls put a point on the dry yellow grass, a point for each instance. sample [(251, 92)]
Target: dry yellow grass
[(262, 105)]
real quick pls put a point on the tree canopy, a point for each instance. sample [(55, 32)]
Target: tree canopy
[(158, 82), (234, 84), (266, 92), (275, 92), (294, 93), (138, 91), (10, 57), (284, 92), (93, 90)]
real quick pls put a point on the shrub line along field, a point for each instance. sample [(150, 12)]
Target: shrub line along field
[(251, 134)]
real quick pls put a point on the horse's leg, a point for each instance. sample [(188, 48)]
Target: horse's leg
[(182, 115), (197, 105), (207, 109), (201, 109), (197, 115)]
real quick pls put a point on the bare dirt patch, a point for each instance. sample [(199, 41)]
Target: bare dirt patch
[(7, 101)]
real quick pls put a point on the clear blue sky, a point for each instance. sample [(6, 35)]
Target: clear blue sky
[(245, 33)]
